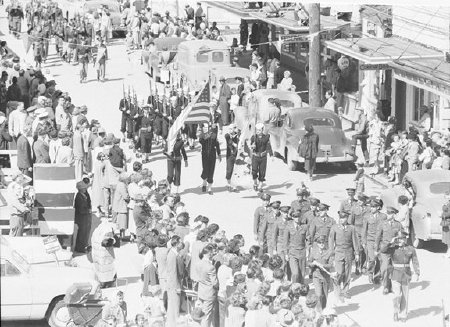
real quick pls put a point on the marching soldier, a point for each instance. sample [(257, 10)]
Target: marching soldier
[(279, 232), (388, 229), (260, 218), (270, 226), (344, 245), (135, 117), (146, 134), (357, 220), (157, 126), (312, 213), (174, 164), (124, 107), (260, 145), (232, 140), (321, 225), (348, 204), (302, 204), (210, 147), (295, 240), (372, 220), (402, 256)]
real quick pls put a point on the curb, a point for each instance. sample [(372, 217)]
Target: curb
[(376, 181)]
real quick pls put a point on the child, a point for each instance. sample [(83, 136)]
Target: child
[(359, 177), (234, 102), (278, 278), (403, 212), (129, 40), (395, 159), (154, 305), (214, 94)]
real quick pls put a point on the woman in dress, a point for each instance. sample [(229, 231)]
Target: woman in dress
[(83, 218), (97, 189), (120, 204)]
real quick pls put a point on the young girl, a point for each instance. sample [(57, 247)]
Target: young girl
[(359, 177), (395, 159), (234, 102)]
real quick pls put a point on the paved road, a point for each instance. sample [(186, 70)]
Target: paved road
[(234, 212)]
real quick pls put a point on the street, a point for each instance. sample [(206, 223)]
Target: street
[(234, 211)]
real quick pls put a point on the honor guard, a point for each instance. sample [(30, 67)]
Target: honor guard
[(260, 219), (232, 141), (348, 204), (301, 205), (210, 152), (295, 238), (260, 145), (357, 219), (321, 225), (312, 213), (124, 107), (146, 133), (270, 226), (279, 232)]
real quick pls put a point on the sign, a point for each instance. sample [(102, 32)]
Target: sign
[(374, 67), (51, 244)]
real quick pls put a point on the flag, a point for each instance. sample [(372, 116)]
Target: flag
[(196, 112)]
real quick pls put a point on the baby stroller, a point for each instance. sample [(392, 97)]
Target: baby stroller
[(84, 304)]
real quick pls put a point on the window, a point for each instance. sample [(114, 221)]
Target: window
[(202, 57), (287, 104), (439, 188), (319, 122), (8, 269), (419, 101), (217, 56)]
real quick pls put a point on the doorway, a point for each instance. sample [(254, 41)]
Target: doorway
[(400, 104)]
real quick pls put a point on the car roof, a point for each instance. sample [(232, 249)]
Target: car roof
[(196, 45), (428, 176), (316, 112), (228, 72)]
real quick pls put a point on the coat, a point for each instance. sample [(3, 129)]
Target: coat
[(103, 257), (207, 283), (24, 157), (41, 152), (121, 198), (309, 146), (173, 278)]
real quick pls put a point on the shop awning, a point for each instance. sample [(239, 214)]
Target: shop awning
[(288, 22), (236, 8), (382, 50)]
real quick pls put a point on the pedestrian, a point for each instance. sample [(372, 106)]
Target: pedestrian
[(174, 164), (232, 141), (260, 145), (361, 135), (83, 217), (295, 238), (320, 261), (402, 256), (308, 149), (173, 283), (321, 225), (224, 98), (343, 244), (102, 56), (40, 148), (24, 155), (64, 154), (260, 219), (17, 204), (210, 147), (120, 204), (445, 223), (78, 150), (207, 286), (97, 187)]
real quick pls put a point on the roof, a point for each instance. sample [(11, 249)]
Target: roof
[(435, 69), (236, 8), (287, 21), (382, 50), (196, 45)]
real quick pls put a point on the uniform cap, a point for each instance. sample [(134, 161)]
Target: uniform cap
[(323, 207), (321, 239), (314, 201), (101, 130), (296, 215), (344, 214), (302, 192), (162, 182), (265, 197), (391, 210), (350, 190), (285, 209), (376, 203), (276, 204)]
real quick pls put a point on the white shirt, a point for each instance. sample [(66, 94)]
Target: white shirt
[(285, 84), (16, 122), (224, 275)]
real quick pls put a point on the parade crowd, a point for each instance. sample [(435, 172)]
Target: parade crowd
[(299, 254)]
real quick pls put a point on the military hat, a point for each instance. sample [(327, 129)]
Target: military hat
[(296, 215), (391, 210), (139, 197), (222, 78), (162, 182), (350, 190), (314, 201), (285, 209), (343, 214), (276, 204), (101, 130), (363, 198), (302, 192), (31, 108), (265, 197), (323, 207), (376, 203), (321, 239)]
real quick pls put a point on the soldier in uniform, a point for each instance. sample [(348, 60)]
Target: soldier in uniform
[(357, 220), (270, 226), (174, 163), (260, 145), (321, 225), (210, 147), (157, 126), (260, 219), (295, 243), (371, 221), (343, 243), (279, 232), (84, 54), (385, 232), (302, 204), (146, 134), (402, 256), (124, 107), (320, 261), (312, 213), (348, 204), (37, 45), (232, 140)]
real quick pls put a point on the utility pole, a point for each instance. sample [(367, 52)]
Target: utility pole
[(314, 55)]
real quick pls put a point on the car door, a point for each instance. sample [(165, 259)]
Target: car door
[(16, 298)]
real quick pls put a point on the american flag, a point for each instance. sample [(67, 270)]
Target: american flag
[(196, 112)]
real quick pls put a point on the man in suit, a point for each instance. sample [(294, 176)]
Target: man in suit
[(224, 97), (24, 156), (208, 286), (40, 148), (173, 282)]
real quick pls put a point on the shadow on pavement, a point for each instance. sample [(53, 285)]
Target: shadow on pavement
[(435, 246), (422, 284), (347, 308), (358, 289), (434, 309)]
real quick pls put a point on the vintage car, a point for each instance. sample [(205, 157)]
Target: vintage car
[(230, 74), (196, 58), (333, 144), (165, 47), (429, 188), (35, 292)]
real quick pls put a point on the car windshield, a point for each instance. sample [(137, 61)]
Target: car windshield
[(20, 261), (92, 7), (319, 122), (287, 103), (439, 188)]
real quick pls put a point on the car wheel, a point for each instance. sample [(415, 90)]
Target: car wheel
[(59, 315), (417, 243)]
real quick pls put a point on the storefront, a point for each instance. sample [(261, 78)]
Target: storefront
[(420, 83)]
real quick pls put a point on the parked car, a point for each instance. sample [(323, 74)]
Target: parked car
[(333, 143), (230, 74), (35, 292), (429, 188)]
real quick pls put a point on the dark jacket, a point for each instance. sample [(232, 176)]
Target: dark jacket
[(24, 157), (310, 142)]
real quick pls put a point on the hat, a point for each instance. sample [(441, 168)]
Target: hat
[(343, 214), (265, 197), (50, 83), (391, 210), (43, 115), (376, 203), (363, 198), (350, 190), (314, 201), (222, 78), (276, 204), (101, 130), (285, 209), (16, 59), (323, 207), (285, 317), (81, 186), (302, 192), (162, 182), (259, 126)]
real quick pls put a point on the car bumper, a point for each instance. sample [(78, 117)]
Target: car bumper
[(330, 159)]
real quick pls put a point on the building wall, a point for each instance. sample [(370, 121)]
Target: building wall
[(429, 26)]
